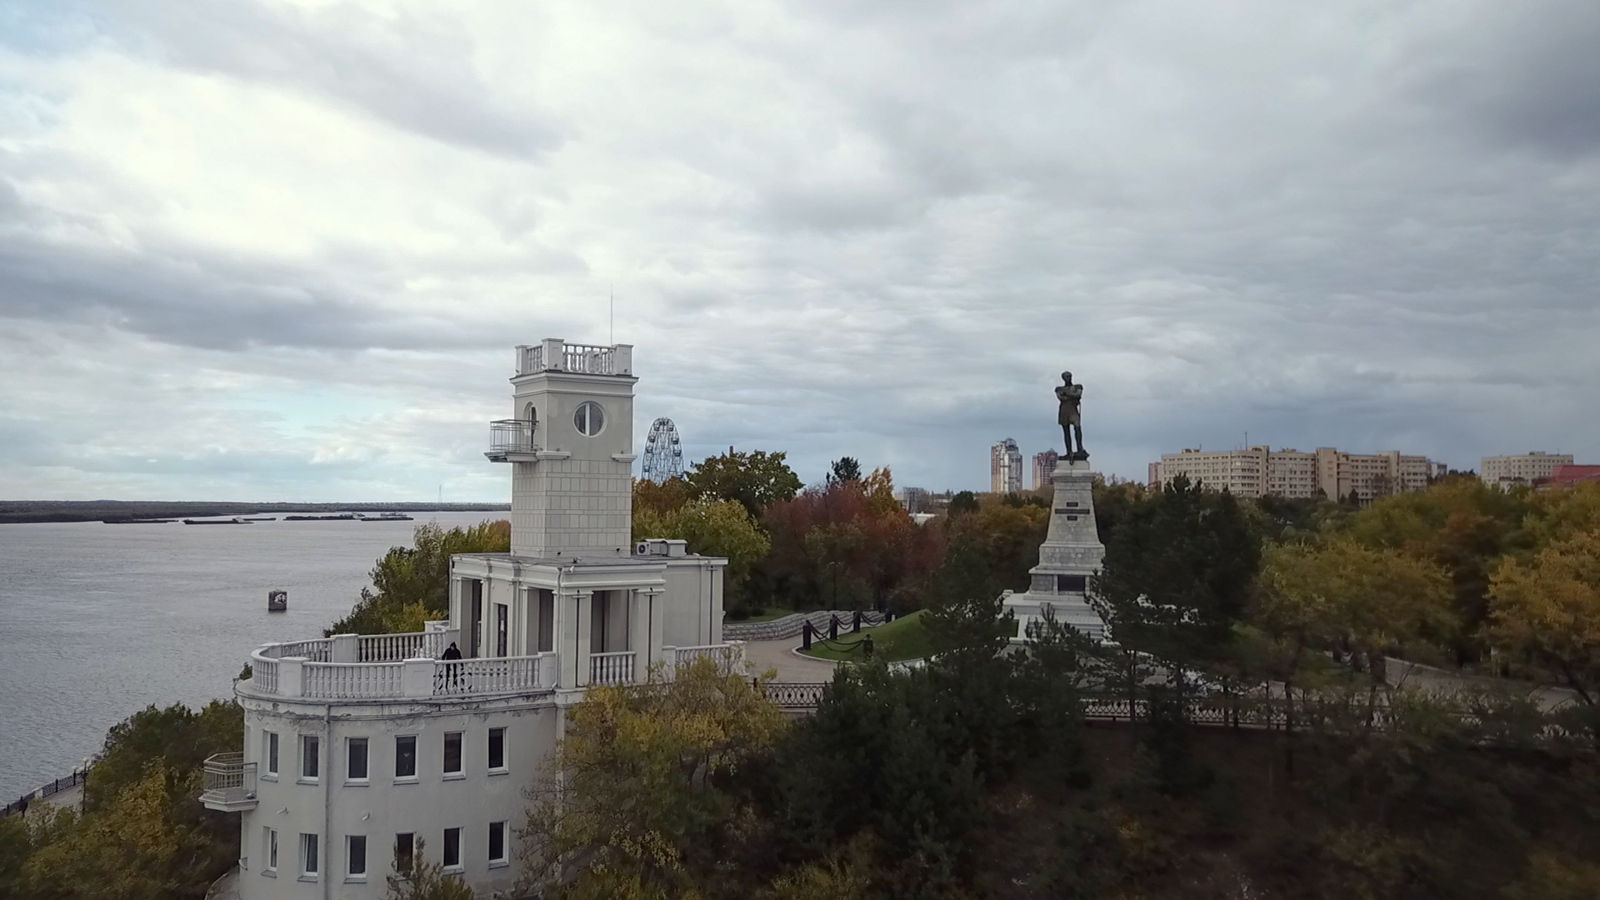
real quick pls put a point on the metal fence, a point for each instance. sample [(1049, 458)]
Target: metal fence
[(20, 805)]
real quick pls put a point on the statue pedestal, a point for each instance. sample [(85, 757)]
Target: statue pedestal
[(1068, 558)]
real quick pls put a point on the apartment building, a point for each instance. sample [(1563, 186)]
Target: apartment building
[(1523, 469), (1260, 471), (1005, 467), (1044, 464)]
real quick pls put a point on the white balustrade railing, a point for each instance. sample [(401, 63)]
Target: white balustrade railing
[(373, 648), (352, 681), (611, 668), (588, 359), (264, 674), (315, 650), (497, 675), (729, 656)]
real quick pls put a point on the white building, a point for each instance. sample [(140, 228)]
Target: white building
[(1523, 469), (358, 747), (1005, 467)]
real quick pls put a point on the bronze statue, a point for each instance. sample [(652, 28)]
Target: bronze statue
[(1071, 418)]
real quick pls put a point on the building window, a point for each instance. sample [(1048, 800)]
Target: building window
[(356, 856), (270, 837), (405, 848), (308, 855), (310, 744), (497, 749), (405, 756), (452, 848), (497, 844), (452, 753), (356, 765), (271, 751), (589, 419)]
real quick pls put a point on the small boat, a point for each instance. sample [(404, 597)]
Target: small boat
[(216, 521)]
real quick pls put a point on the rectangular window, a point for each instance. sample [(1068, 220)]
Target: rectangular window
[(271, 850), (546, 637), (310, 746), (497, 843), (356, 763), (356, 855), (405, 846), (452, 848), (308, 855), (497, 749), (452, 753), (405, 756), (271, 752)]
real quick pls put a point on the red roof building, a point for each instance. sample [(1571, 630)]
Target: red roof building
[(1564, 476)]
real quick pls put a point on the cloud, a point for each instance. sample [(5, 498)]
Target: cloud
[(310, 232)]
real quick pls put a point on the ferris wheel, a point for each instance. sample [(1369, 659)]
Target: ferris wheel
[(663, 452)]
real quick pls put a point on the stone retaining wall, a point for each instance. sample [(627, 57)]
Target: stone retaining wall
[(790, 625)]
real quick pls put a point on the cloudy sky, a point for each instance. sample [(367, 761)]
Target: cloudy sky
[(278, 250)]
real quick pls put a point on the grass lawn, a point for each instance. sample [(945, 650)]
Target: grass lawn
[(904, 638), (767, 615)]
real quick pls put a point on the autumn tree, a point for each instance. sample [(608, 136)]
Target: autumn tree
[(714, 528), (661, 498), (412, 584), (755, 480), (848, 544), (1459, 523), (635, 801), (1548, 612)]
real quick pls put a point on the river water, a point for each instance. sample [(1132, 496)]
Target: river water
[(98, 621)]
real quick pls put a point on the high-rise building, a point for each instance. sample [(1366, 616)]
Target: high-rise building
[(1527, 468), (1260, 471), (1005, 467), (1043, 464)]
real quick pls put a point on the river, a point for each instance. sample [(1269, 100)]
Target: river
[(99, 621)]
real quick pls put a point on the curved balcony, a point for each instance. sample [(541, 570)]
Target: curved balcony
[(389, 667), (230, 783)]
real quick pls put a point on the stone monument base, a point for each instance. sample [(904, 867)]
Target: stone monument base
[(1068, 559)]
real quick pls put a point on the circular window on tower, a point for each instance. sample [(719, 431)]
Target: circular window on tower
[(589, 419)]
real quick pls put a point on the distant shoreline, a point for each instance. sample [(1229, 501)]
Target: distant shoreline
[(34, 511)]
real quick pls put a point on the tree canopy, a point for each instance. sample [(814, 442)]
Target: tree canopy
[(755, 480)]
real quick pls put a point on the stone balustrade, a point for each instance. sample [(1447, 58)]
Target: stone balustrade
[(390, 667)]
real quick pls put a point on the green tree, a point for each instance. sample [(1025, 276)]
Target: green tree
[(962, 503), (662, 498), (845, 468), (636, 794), (1177, 575), (755, 480)]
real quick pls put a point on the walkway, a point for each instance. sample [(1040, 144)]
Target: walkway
[(764, 655)]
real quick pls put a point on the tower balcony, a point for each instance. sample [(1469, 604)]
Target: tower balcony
[(556, 355), (229, 783), (511, 440)]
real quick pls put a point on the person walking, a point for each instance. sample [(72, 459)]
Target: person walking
[(452, 669)]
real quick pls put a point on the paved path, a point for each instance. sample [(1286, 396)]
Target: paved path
[(764, 655)]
